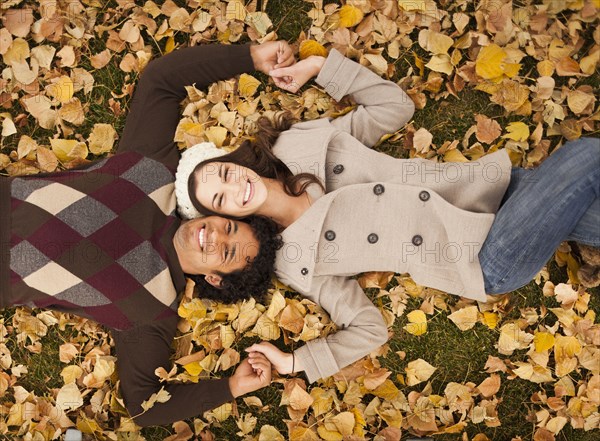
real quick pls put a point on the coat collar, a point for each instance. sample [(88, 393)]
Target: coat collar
[(303, 149), (300, 246)]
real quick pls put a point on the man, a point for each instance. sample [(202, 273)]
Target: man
[(104, 241)]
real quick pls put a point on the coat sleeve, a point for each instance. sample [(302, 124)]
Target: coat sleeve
[(361, 327), (139, 352), (383, 107), (154, 109)]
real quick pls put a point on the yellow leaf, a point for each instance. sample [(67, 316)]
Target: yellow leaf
[(311, 47), (465, 318), (102, 138), (545, 68), (543, 341), (566, 347), (193, 368), (454, 155), (517, 131), (440, 63), (435, 42), (62, 89), (413, 5), (235, 10), (169, 45), (329, 435), (276, 306), (68, 149), (71, 373), (387, 390), (270, 433), (417, 322), (303, 434), (419, 63), (266, 329), (511, 338), (350, 16), (247, 85), (588, 64), (488, 63), (490, 319), (216, 135), (418, 371), (322, 401), (344, 422)]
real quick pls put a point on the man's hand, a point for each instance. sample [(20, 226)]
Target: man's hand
[(271, 55), (281, 361), (248, 378), (294, 77)]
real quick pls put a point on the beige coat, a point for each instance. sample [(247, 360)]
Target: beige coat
[(378, 214)]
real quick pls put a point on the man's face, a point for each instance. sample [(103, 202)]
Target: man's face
[(212, 245)]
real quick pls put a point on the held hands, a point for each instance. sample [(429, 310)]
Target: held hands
[(292, 78), (272, 55), (281, 361), (250, 377)]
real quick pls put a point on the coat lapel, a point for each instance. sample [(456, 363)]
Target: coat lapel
[(300, 245)]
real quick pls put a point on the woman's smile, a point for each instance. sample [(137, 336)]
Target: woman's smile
[(249, 192)]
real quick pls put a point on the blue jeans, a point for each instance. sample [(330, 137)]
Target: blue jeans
[(557, 201)]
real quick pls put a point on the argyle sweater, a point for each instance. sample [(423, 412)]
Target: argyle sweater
[(98, 241)]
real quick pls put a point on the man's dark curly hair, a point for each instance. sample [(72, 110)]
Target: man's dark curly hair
[(254, 280)]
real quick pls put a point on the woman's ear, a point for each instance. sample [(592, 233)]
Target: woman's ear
[(214, 279)]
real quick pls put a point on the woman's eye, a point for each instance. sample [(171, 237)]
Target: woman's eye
[(227, 175), (221, 201)]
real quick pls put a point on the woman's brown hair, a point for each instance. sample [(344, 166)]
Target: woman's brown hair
[(259, 157)]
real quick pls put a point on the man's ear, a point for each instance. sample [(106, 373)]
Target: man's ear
[(214, 279)]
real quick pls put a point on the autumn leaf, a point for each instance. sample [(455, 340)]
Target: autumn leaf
[(418, 371), (417, 323), (350, 16)]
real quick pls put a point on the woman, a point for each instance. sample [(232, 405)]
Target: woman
[(366, 211)]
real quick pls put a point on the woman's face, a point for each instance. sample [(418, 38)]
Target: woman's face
[(230, 189)]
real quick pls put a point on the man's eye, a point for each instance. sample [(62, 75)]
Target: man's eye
[(227, 175), (229, 227), (226, 253)]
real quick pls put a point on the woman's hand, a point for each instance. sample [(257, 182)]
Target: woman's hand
[(250, 377), (294, 77), (281, 361), (272, 55)]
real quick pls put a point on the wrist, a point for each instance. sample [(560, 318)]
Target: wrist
[(234, 387), (318, 63), (254, 55)]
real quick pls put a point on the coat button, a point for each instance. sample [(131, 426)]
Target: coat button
[(424, 195), (338, 169), (304, 271), (372, 238), (329, 235), (417, 240), (378, 189)]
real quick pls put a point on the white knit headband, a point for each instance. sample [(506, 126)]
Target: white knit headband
[(190, 158)]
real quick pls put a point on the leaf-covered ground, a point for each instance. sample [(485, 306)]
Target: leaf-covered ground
[(520, 75)]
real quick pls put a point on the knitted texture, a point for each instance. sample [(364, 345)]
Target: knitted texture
[(190, 158), (96, 241)]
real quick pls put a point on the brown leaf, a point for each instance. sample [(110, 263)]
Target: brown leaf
[(490, 385), (18, 21), (101, 59), (488, 129)]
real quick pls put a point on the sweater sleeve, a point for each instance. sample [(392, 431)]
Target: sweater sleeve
[(383, 107), (361, 327), (154, 110), (139, 352)]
